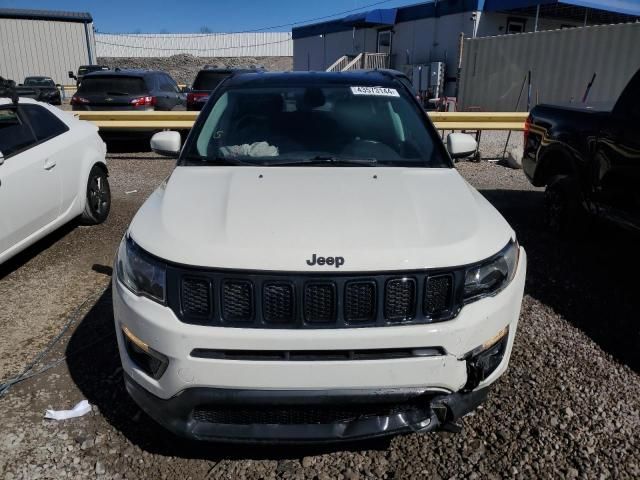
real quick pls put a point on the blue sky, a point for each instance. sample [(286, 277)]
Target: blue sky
[(178, 16)]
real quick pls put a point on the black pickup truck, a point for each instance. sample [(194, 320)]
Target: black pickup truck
[(588, 157), (43, 89)]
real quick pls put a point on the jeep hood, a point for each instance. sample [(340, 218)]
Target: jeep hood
[(275, 218)]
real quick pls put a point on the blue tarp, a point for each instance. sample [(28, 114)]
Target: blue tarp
[(628, 7), (381, 16)]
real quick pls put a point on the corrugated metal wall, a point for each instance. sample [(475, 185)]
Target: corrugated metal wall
[(562, 63), (39, 47), (264, 44)]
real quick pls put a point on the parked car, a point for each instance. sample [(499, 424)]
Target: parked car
[(40, 88), (52, 170), (128, 90), (588, 157), (340, 279), (206, 81), (85, 69)]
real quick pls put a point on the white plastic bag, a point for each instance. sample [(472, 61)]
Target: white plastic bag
[(82, 408)]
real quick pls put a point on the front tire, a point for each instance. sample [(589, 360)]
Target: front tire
[(563, 205), (98, 201)]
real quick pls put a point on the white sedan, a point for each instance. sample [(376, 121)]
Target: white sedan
[(52, 170)]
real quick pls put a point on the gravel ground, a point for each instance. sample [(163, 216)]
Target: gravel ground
[(568, 407), (183, 67)]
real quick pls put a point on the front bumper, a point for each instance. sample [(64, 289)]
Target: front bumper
[(192, 382), (398, 411)]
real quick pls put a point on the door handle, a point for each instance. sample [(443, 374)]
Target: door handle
[(49, 164)]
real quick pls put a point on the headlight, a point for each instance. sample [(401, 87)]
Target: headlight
[(139, 272), (491, 276)]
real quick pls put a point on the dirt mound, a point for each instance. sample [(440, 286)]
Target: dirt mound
[(184, 67)]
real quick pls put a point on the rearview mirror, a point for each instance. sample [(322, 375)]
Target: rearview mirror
[(166, 143), (461, 145)]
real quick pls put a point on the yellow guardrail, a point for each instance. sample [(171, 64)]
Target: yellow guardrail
[(181, 120)]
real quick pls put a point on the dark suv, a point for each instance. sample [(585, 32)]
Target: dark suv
[(206, 82), (121, 89)]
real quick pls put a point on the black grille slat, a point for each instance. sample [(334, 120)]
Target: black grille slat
[(320, 303), (301, 414), (278, 303), (196, 296), (237, 300), (438, 291), (400, 299), (360, 301)]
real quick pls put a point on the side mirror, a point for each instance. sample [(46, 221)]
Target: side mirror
[(1, 158), (166, 143), (185, 89), (58, 85), (461, 145)]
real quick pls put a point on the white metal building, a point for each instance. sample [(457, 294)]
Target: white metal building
[(40, 42), (428, 32), (248, 44)]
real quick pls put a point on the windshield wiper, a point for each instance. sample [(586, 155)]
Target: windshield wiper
[(326, 159), (219, 160)]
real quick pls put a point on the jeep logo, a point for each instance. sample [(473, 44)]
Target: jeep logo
[(316, 260)]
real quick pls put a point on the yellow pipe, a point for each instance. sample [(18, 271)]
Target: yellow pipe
[(132, 120)]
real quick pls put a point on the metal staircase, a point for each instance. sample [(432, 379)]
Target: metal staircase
[(361, 61)]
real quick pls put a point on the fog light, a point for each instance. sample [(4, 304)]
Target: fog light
[(146, 358), (483, 360)]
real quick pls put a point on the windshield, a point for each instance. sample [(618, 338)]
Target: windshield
[(209, 80), (112, 85), (39, 82), (338, 124)]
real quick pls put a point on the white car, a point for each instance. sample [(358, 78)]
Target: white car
[(314, 269), (52, 170)]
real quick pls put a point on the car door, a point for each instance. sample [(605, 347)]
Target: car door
[(156, 84), (30, 187), (617, 159), (178, 94), (63, 148), (167, 91)]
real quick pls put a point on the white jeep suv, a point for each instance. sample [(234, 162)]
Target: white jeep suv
[(314, 269)]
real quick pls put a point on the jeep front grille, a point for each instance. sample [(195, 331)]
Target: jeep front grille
[(281, 300)]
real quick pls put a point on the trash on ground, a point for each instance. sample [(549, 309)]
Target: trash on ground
[(82, 408)]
